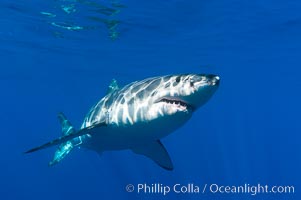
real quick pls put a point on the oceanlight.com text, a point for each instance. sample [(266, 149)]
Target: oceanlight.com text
[(250, 189)]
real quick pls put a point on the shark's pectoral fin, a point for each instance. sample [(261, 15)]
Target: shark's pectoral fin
[(157, 152)]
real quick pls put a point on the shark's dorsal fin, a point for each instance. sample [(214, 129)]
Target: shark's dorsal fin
[(113, 86), (157, 152)]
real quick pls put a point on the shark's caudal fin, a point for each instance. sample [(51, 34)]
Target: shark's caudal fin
[(66, 143), (69, 139), (65, 148), (72, 134)]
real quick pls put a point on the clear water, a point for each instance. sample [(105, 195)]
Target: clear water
[(61, 55)]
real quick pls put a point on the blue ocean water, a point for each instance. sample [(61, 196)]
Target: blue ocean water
[(61, 56)]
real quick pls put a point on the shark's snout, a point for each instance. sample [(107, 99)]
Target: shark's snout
[(213, 79), (203, 86)]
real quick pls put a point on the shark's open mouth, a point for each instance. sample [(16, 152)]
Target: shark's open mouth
[(177, 102)]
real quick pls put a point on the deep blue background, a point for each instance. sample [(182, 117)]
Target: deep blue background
[(249, 132)]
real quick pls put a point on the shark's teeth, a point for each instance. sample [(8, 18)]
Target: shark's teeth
[(174, 102)]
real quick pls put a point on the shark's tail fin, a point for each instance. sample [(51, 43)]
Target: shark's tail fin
[(65, 148)]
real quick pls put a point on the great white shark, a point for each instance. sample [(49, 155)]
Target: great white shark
[(137, 116)]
